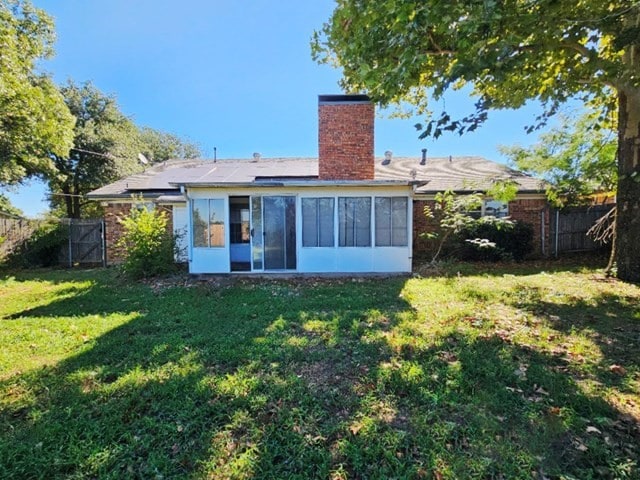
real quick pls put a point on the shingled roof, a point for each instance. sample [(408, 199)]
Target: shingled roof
[(461, 174)]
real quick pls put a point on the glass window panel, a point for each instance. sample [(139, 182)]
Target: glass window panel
[(391, 221), (309, 222), (200, 214), (363, 221), (345, 230), (317, 222), (216, 222), (290, 232), (399, 222), (383, 221), (325, 222), (256, 231), (496, 208), (354, 216)]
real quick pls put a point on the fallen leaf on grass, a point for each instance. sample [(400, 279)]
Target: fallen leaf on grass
[(354, 429), (618, 369), (592, 429)]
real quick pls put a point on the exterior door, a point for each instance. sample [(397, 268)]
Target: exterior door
[(276, 250)]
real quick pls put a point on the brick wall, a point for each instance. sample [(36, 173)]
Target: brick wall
[(528, 211), (113, 213), (345, 139), (422, 247), (531, 212)]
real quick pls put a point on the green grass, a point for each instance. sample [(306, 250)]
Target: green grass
[(492, 372)]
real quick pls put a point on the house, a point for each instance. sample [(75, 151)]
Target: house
[(345, 211)]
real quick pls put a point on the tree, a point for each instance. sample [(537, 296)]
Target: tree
[(577, 159), (508, 52), (7, 207), (160, 146), (34, 120), (105, 148)]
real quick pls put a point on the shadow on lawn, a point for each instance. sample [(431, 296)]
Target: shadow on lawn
[(276, 379), (612, 321)]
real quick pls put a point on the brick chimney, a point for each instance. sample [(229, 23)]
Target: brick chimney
[(345, 137)]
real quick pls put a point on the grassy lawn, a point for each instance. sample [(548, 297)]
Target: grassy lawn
[(496, 372)]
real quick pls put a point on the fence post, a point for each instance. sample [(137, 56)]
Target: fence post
[(70, 245), (104, 242), (542, 232), (557, 230)]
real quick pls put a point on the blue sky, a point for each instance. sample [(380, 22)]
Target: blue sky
[(236, 75)]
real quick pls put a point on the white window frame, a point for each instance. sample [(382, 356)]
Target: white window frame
[(208, 220)]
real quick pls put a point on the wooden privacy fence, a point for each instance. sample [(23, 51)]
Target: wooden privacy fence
[(568, 228), (83, 239), (14, 232), (85, 243)]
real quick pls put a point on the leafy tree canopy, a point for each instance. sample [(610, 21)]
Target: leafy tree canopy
[(105, 148), (34, 120), (160, 146), (507, 52), (577, 159), (7, 207)]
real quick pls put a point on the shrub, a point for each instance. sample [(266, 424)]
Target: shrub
[(509, 241), (149, 248), (42, 248)]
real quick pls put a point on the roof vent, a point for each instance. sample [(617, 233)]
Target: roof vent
[(387, 157), (450, 158), (256, 156), (424, 157), (413, 173)]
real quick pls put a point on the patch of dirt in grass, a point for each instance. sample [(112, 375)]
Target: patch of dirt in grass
[(322, 375)]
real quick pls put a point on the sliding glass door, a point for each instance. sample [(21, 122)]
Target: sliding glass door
[(273, 232)]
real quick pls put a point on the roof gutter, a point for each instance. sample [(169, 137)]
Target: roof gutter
[(312, 183)]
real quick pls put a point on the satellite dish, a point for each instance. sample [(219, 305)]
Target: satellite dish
[(143, 160)]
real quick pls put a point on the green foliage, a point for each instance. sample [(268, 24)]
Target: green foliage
[(159, 146), (503, 190), (149, 247), (577, 159), (488, 240), (506, 52), (451, 216), (105, 148), (42, 249), (7, 207), (34, 120)]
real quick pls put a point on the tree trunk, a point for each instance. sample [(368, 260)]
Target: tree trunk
[(628, 195)]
